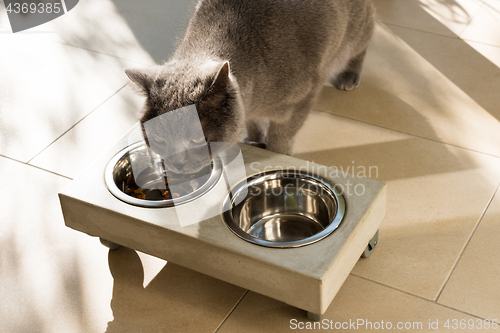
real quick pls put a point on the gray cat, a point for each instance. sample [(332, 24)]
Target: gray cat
[(256, 65)]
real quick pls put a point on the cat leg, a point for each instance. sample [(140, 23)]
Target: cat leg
[(256, 133), (256, 130), (350, 77), (281, 134)]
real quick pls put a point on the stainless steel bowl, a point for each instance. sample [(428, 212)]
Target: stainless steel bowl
[(284, 209), (119, 178)]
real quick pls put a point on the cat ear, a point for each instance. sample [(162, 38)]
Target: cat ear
[(140, 77), (218, 90), (222, 78)]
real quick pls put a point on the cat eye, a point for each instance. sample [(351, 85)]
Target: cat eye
[(200, 140)]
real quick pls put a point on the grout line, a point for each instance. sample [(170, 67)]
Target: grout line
[(230, 312), (52, 172), (34, 166), (483, 43), (442, 35), (424, 31), (463, 312), (94, 51), (390, 287), (79, 121), (78, 46), (466, 245), (12, 159), (410, 134), (473, 16), (419, 297)]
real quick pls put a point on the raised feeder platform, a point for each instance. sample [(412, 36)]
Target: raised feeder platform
[(304, 274)]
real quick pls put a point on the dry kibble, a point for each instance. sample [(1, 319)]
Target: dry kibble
[(166, 195), (136, 194)]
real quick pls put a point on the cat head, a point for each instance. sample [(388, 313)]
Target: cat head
[(188, 105)]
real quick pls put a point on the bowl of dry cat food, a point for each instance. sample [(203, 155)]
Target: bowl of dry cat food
[(134, 176), (284, 208)]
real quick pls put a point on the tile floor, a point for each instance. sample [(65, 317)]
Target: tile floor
[(426, 116)]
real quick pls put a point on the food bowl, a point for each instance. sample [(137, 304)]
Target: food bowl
[(284, 208), (150, 187)]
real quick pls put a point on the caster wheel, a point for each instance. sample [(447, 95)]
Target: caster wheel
[(108, 244), (372, 244)]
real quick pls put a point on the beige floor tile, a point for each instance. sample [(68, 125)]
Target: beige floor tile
[(52, 278), (93, 136), (478, 77), (147, 33), (446, 17), (402, 90), (485, 25), (358, 302), (31, 215), (427, 223), (68, 291), (474, 286), (176, 300), (46, 88), (55, 279)]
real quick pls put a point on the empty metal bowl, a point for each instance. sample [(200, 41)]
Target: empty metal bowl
[(121, 181), (284, 208)]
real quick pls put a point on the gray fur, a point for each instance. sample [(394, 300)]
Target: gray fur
[(280, 52)]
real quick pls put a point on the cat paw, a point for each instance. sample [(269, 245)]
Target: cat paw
[(255, 144), (347, 81)]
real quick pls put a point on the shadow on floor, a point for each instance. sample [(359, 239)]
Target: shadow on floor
[(176, 300)]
